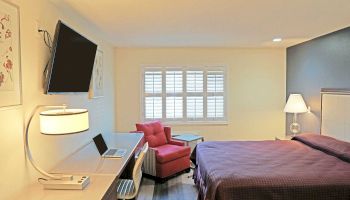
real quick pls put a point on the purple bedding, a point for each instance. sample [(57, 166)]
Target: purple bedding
[(307, 167)]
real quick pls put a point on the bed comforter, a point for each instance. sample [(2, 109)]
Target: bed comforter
[(308, 167)]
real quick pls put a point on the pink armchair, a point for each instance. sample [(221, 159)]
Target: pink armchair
[(165, 157)]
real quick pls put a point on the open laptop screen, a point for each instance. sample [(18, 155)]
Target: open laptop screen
[(100, 144)]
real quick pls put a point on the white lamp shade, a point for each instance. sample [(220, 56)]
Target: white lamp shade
[(295, 104), (64, 121)]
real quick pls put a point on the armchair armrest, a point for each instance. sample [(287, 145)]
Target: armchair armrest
[(167, 131), (175, 142)]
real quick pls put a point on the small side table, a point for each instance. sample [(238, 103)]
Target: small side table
[(188, 138)]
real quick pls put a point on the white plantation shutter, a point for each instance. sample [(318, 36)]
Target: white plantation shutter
[(153, 107), (153, 82), (174, 92), (184, 94), (195, 93), (215, 81), (153, 103), (215, 94), (174, 107), (194, 81), (195, 107), (173, 82), (215, 106)]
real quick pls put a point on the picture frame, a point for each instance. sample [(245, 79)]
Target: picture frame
[(96, 83), (10, 59)]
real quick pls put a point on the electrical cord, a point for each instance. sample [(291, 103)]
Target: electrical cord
[(47, 38), (48, 43)]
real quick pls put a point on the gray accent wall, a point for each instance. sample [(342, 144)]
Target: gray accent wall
[(323, 62)]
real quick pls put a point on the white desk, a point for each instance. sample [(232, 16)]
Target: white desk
[(103, 172)]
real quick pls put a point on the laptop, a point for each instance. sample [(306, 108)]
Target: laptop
[(104, 151)]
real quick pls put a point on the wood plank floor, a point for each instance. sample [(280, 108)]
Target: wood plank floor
[(177, 188)]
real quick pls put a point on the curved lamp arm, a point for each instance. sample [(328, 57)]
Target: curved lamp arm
[(26, 141)]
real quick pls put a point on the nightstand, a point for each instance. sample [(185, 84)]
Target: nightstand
[(285, 137)]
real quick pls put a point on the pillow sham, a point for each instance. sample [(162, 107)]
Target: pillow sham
[(329, 145)]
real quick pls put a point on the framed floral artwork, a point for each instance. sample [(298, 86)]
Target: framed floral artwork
[(96, 83), (10, 67)]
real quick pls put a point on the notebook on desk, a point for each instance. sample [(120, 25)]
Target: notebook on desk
[(105, 151)]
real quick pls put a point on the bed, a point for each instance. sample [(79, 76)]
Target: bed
[(310, 166)]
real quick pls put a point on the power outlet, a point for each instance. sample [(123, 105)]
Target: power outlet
[(73, 183)]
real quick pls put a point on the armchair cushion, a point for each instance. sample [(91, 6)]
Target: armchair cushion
[(169, 152), (154, 133)]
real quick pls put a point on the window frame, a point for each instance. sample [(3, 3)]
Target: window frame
[(184, 69)]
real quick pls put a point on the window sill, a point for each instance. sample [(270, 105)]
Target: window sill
[(196, 123)]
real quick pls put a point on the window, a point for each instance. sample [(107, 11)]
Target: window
[(184, 94)]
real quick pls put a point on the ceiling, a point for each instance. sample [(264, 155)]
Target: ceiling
[(212, 23)]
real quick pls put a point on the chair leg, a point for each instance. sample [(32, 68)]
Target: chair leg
[(188, 171)]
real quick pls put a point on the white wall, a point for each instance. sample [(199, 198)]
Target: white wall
[(15, 172), (256, 88)]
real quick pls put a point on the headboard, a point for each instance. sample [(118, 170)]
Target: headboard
[(335, 113)]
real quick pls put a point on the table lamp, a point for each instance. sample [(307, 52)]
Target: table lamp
[(295, 104), (60, 121)]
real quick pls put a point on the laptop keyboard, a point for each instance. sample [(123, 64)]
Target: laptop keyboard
[(116, 152)]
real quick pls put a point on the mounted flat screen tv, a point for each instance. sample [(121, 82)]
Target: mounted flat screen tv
[(71, 64)]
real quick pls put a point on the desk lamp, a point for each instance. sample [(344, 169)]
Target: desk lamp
[(60, 121), (295, 104)]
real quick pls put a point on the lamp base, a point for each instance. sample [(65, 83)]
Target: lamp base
[(75, 183), (294, 128)]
